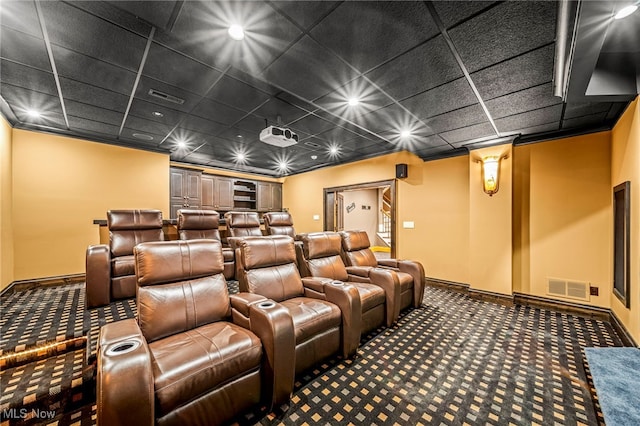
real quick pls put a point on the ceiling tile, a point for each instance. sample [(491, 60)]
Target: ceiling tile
[(459, 136), (447, 97), (276, 108), (142, 109), (504, 31), (427, 66), (158, 15), (528, 70), (392, 117), (543, 128), (90, 112), (525, 100), (311, 125), (23, 48), (92, 95), (529, 119), (128, 135), (217, 112), (177, 70), (27, 77), (453, 12), (21, 16), (146, 84), (109, 11), (593, 120), (578, 109), (472, 114), (21, 100), (202, 125), (309, 70), (306, 13), (77, 30), (235, 93), (392, 27), (96, 128), (147, 126), (92, 71)]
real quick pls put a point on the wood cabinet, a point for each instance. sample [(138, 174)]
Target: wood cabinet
[(269, 196), (217, 193), (185, 190)]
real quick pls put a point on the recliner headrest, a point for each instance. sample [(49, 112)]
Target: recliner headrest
[(120, 220), (242, 219), (354, 240), (278, 219), (262, 252), (170, 261), (198, 219), (321, 244)]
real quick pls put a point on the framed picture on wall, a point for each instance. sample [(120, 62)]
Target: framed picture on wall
[(621, 242)]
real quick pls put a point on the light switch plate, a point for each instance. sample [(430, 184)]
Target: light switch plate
[(316, 217), (408, 224)]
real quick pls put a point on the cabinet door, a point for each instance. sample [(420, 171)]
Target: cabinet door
[(264, 196), (276, 206), (207, 198), (223, 199), (193, 189)]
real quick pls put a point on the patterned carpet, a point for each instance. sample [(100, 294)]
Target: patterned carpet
[(454, 361)]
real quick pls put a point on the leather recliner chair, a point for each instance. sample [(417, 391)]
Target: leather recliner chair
[(243, 224), (279, 223), (320, 257), (357, 253), (203, 224), (183, 361), (110, 271), (323, 325)]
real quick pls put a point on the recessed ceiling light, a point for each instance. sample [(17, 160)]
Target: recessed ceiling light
[(181, 144), (334, 150), (314, 157), (157, 114), (236, 32), (353, 101), (142, 136), (626, 11), (283, 165), (33, 113), (240, 156), (405, 133)]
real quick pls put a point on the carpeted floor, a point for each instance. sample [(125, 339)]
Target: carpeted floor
[(454, 361)]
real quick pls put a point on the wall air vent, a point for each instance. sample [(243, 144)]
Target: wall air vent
[(568, 288), (166, 97)]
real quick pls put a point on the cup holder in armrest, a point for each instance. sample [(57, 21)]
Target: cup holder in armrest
[(123, 347), (336, 283), (266, 305)]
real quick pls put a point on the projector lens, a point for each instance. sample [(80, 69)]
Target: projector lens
[(287, 134)]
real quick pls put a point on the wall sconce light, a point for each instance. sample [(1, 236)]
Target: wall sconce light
[(491, 174)]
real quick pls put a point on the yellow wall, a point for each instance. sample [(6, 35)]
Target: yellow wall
[(6, 204), (570, 213), (625, 160), (61, 184), (490, 232)]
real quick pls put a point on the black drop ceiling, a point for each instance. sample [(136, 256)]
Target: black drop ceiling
[(457, 74)]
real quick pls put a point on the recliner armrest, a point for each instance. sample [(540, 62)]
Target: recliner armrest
[(241, 302), (416, 270), (360, 271), (388, 280), (273, 324), (347, 298), (125, 384), (98, 276), (388, 263)]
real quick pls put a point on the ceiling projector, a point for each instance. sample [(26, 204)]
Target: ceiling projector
[(278, 136)]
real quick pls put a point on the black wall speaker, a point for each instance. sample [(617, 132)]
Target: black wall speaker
[(402, 171)]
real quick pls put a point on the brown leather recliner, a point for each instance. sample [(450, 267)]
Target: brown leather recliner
[(110, 271), (203, 224), (320, 257), (357, 252), (243, 224), (183, 361), (323, 325), (279, 223)]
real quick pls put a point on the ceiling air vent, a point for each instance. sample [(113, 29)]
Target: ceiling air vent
[(312, 144), (166, 97), (568, 288)]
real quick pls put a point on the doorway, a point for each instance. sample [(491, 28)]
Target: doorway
[(367, 206)]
